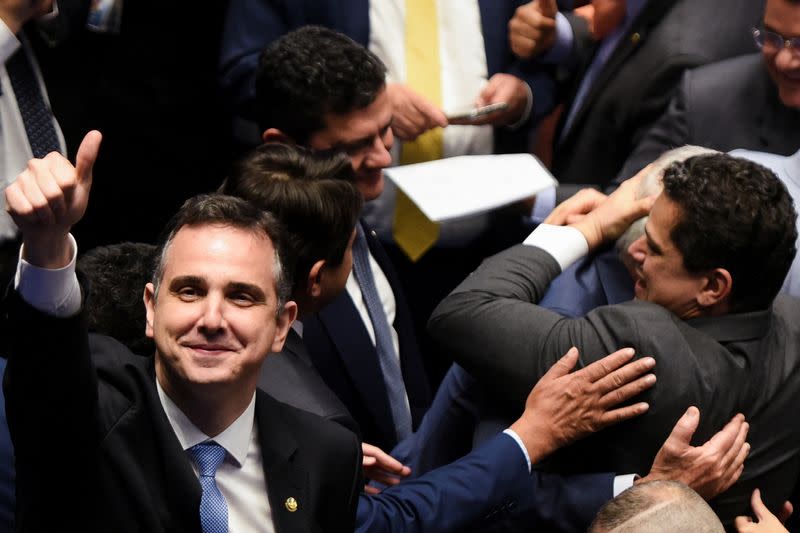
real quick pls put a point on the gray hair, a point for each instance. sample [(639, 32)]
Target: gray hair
[(657, 507), (651, 185)]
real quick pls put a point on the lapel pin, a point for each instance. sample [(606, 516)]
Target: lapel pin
[(636, 37), (291, 504)]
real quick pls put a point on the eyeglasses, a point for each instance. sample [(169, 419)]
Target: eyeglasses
[(772, 42)]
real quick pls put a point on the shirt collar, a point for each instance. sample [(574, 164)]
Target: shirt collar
[(235, 439)]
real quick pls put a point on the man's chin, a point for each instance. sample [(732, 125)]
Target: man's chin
[(370, 185)]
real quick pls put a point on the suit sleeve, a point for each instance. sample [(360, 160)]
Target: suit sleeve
[(489, 484), (495, 329), (249, 26), (670, 131)]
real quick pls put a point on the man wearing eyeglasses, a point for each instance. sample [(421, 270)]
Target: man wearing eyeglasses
[(750, 102)]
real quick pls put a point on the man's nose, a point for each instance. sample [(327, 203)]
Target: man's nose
[(787, 58), (380, 155), (212, 319)]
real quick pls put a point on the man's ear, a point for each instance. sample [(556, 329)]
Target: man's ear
[(282, 323), (274, 135), (314, 280), (149, 298), (718, 286)]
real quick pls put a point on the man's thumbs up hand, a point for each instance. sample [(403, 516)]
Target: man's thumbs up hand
[(532, 30), (48, 198)]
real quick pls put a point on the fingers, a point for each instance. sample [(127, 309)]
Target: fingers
[(606, 365), (369, 489), (384, 461), (623, 413), (563, 366), (743, 524), (548, 8), (759, 509), (619, 394), (87, 155), (727, 436), (785, 511), (736, 467), (616, 379), (685, 427)]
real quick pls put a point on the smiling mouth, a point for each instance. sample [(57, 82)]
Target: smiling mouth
[(209, 349)]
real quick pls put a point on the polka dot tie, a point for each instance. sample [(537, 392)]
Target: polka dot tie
[(213, 509)]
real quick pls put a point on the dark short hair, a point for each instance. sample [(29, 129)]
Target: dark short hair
[(309, 73), (313, 196), (737, 215), (219, 209), (116, 276)]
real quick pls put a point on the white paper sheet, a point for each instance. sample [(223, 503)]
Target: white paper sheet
[(466, 185)]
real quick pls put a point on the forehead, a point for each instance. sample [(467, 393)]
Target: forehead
[(355, 125), (663, 217), (783, 16), (223, 254)]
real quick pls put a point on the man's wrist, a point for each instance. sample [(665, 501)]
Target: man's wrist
[(48, 251)]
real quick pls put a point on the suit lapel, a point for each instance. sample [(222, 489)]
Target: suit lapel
[(650, 15), (493, 40), (359, 357), (285, 479), (295, 346), (180, 482)]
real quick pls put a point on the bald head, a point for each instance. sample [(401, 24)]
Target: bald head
[(657, 507)]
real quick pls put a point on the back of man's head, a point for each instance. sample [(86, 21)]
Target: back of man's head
[(657, 507), (309, 73), (736, 215), (314, 197), (117, 273)]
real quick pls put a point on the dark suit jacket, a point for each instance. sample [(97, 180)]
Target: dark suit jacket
[(84, 412), (290, 377), (728, 105), (345, 357), (747, 363), (635, 85), (251, 24)]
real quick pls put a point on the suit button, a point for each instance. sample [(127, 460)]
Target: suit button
[(373, 233)]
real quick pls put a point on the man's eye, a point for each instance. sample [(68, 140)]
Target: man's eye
[(188, 294), (242, 299)]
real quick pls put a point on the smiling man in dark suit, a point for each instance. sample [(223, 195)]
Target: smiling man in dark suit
[(139, 431), (706, 306), (756, 95)]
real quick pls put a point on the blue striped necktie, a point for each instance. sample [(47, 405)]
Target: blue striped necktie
[(387, 357)]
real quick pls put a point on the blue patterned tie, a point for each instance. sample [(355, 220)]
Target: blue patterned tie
[(213, 509), (390, 363), (35, 114)]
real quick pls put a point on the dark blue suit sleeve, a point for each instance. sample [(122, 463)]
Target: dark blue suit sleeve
[(489, 484), (249, 26)]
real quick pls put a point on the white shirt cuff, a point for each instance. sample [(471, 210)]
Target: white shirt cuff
[(564, 243), (562, 46), (623, 483), (525, 112), (52, 291), (513, 434)]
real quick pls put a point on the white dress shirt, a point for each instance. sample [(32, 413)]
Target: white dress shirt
[(240, 477), (15, 151), (464, 73)]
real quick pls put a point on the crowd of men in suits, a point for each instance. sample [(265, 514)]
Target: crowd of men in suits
[(299, 349)]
